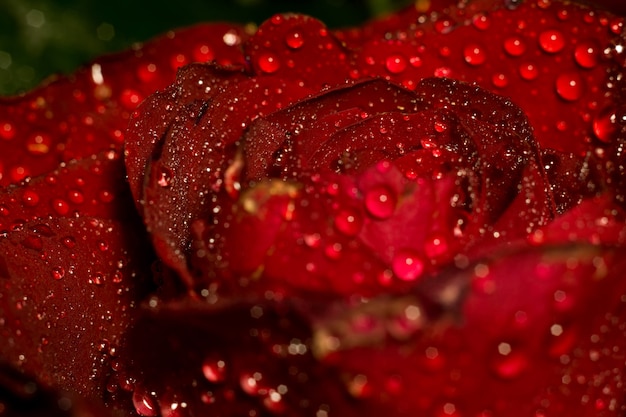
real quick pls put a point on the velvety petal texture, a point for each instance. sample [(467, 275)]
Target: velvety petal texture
[(420, 216)]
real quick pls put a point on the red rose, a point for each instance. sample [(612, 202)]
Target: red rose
[(420, 216)]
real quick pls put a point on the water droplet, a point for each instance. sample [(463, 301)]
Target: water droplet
[(481, 21), (294, 40), (396, 64), (7, 131), (274, 401), (214, 370), (587, 55), (4, 211), (605, 125), (551, 41), (269, 63), (509, 363), (474, 54), (528, 71), (380, 201), (58, 273), (30, 198), (75, 196), (569, 86), (348, 222), (145, 403), (165, 177), (97, 279), (407, 265), (514, 46), (38, 143), (61, 207), (500, 80), (443, 25)]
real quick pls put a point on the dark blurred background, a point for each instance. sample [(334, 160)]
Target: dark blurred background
[(43, 37)]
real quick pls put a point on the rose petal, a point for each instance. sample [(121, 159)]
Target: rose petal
[(68, 291)]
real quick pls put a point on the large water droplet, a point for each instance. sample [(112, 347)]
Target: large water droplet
[(407, 265), (164, 178), (396, 63), (269, 63), (474, 54), (348, 222), (569, 86), (514, 46), (30, 198), (294, 39), (551, 41), (528, 71), (380, 201), (58, 273), (605, 125), (587, 55), (145, 403)]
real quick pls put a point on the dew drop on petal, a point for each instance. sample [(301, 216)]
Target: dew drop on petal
[(396, 64), (605, 125), (407, 265), (569, 86), (58, 273), (145, 403), (164, 178), (528, 71), (514, 46), (474, 54), (551, 41), (587, 55), (61, 207), (294, 39), (269, 63), (348, 222), (481, 21), (30, 198), (500, 80), (380, 201)]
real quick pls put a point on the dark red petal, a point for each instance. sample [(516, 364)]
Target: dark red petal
[(152, 119), (184, 178), (260, 363), (93, 187), (73, 117), (299, 48), (68, 290), (536, 329), (293, 134), (550, 58), (23, 396)]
